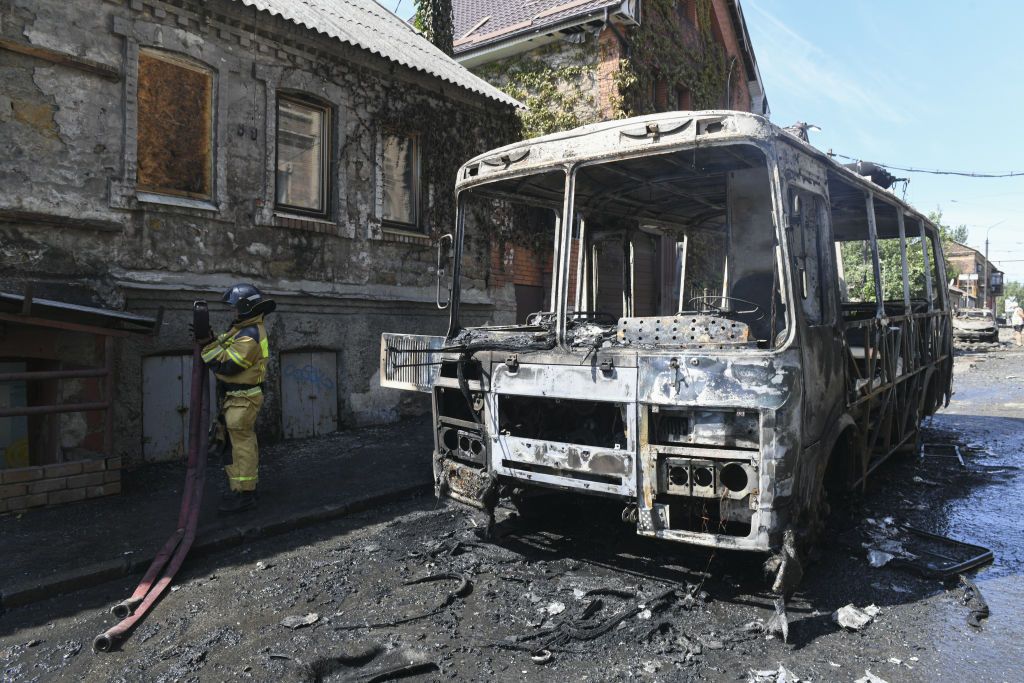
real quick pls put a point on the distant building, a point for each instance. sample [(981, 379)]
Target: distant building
[(573, 62), (959, 298), (158, 151), (970, 264)]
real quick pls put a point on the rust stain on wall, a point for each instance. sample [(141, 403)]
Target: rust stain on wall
[(39, 116)]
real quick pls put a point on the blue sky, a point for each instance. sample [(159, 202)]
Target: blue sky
[(917, 83)]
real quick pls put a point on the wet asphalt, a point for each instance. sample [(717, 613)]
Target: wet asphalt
[(488, 603)]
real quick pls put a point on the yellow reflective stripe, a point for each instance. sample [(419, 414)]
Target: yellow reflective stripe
[(243, 478), (245, 392), (211, 354), (238, 358), (265, 347)]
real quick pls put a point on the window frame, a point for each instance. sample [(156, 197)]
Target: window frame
[(417, 226), (326, 147), (197, 66)]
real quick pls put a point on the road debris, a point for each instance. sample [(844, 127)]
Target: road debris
[(293, 622), (787, 571), (974, 601), (869, 677), (585, 626), (879, 558), (853, 618), (371, 664), (930, 555), (780, 675), (462, 590), (555, 608)]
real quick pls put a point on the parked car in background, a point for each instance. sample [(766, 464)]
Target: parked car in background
[(975, 324)]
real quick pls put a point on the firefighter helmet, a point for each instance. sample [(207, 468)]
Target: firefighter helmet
[(247, 300)]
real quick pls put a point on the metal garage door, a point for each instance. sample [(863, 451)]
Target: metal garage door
[(309, 393), (166, 385)]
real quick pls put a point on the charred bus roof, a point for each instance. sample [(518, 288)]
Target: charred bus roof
[(653, 134)]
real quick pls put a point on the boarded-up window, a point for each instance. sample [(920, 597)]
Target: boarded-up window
[(401, 171), (302, 144), (175, 126)]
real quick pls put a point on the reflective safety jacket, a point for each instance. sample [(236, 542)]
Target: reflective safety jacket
[(238, 357)]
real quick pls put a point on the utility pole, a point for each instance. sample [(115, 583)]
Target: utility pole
[(987, 231), (986, 271)]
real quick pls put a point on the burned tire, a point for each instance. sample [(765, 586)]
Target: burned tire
[(832, 492), (529, 503)]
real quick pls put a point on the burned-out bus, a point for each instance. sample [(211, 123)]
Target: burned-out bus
[(738, 326)]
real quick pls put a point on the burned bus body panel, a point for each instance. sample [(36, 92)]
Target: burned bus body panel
[(722, 347)]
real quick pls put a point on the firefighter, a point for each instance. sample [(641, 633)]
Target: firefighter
[(238, 359)]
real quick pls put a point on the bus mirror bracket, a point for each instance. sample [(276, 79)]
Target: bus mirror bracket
[(442, 267)]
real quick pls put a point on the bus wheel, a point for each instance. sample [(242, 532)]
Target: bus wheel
[(832, 489), (528, 502)]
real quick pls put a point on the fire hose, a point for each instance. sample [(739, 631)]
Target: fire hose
[(171, 556)]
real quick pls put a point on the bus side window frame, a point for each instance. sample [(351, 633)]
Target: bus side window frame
[(802, 202)]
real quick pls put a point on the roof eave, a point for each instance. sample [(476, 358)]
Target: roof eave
[(525, 35)]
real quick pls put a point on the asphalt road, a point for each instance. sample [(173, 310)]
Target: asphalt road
[(350, 579)]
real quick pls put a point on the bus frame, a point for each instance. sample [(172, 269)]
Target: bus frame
[(717, 443)]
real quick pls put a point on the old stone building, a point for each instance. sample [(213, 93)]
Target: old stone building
[(971, 267), (574, 62), (158, 151)]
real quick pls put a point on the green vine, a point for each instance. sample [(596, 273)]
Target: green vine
[(434, 19), (661, 56), (548, 82), (441, 152)]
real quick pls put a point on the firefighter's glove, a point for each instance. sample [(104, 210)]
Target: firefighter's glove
[(192, 333)]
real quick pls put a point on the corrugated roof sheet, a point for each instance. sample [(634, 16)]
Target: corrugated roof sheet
[(479, 22), (50, 309), (367, 25)]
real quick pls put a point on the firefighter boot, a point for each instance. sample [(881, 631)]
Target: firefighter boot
[(236, 501)]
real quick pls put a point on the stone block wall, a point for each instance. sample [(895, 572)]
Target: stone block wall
[(28, 487), (74, 222)]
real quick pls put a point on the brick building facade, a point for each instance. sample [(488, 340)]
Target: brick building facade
[(158, 151), (970, 264)]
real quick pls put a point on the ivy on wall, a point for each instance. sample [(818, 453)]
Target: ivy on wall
[(660, 55), (435, 20), (447, 140), (554, 83)]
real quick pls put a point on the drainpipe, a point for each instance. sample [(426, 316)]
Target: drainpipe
[(627, 49), (728, 83)]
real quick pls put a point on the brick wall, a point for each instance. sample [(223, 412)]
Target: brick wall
[(521, 266), (724, 30), (29, 487), (609, 55)]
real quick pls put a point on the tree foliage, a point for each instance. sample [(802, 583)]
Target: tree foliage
[(859, 274), (949, 235), (435, 20), (1011, 290)]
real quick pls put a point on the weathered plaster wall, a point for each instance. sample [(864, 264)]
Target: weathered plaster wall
[(69, 139)]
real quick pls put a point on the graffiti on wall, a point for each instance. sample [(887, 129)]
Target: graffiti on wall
[(311, 375)]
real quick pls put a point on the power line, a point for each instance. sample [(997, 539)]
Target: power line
[(968, 174)]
